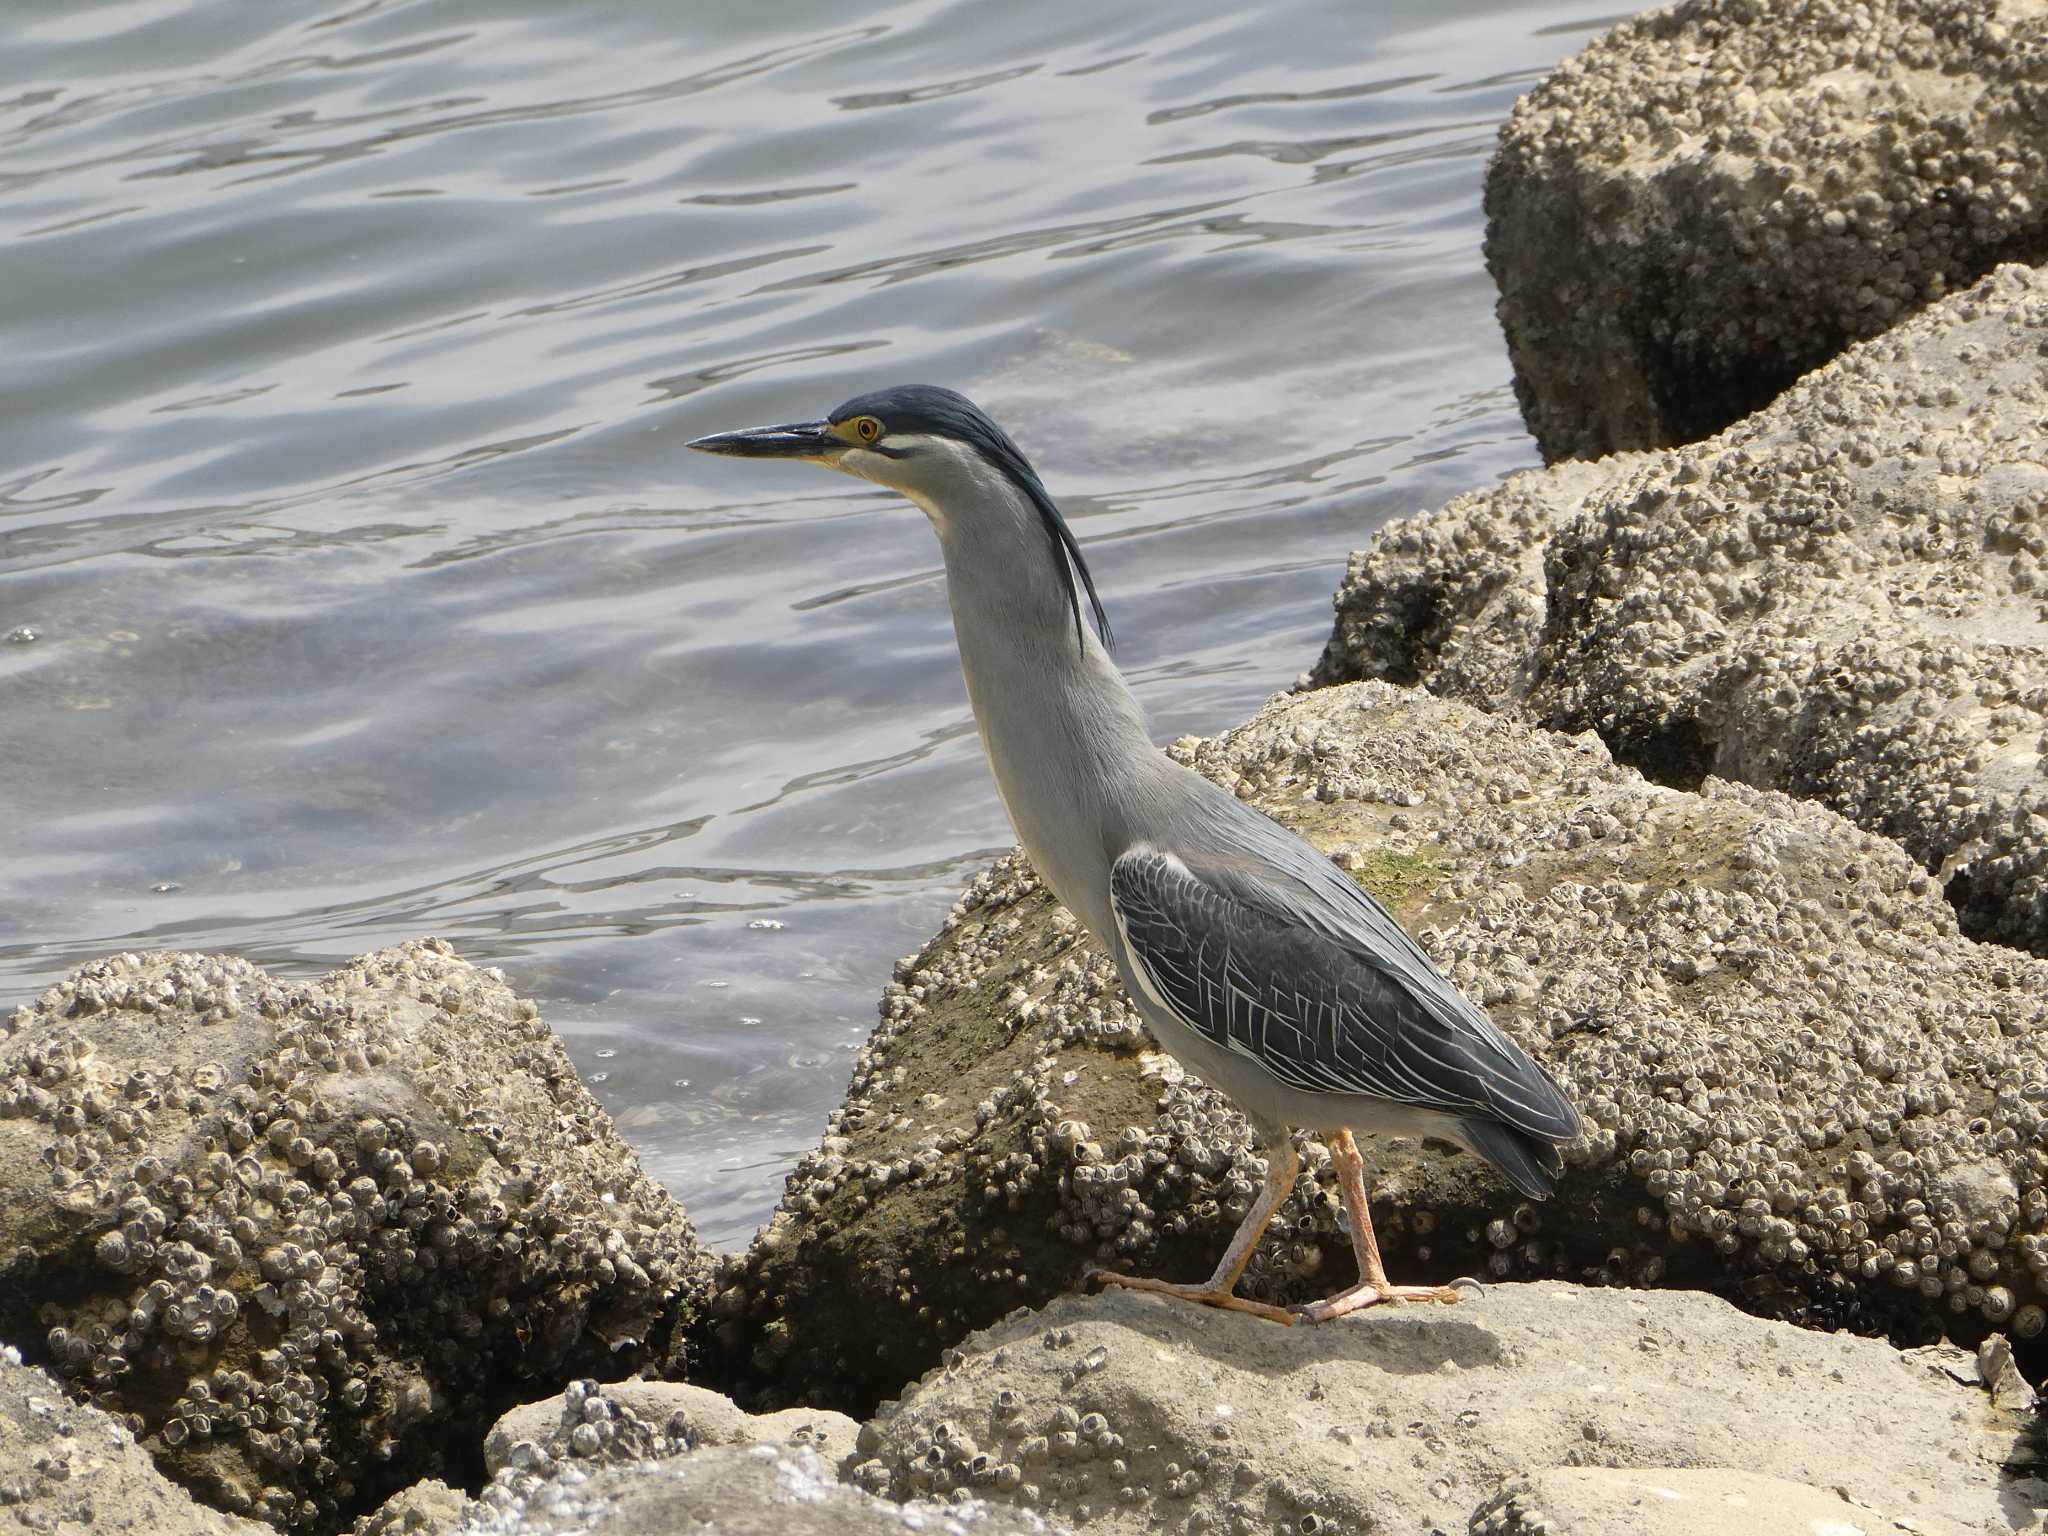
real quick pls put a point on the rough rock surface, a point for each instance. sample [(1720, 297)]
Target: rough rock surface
[(1844, 596), (625, 1459), (423, 1509), (304, 1237), (1801, 1084), (1454, 599), (691, 1415), (1712, 199), (752, 1490), (1126, 1413), (66, 1469), (1672, 1501)]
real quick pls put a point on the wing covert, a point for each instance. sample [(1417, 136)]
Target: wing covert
[(1215, 943)]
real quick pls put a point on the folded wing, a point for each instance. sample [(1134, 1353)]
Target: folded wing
[(1324, 992)]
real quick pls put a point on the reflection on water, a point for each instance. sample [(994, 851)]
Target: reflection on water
[(354, 582)]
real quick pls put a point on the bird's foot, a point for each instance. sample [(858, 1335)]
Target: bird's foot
[(1366, 1294), (1204, 1295)]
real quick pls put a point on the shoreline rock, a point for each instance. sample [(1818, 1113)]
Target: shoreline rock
[(738, 1490), (1804, 1088), (1844, 596), (687, 1415), (305, 1237), (67, 1467), (660, 1457), (1710, 200), (1122, 1413)]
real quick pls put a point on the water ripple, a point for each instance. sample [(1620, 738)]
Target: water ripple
[(366, 588)]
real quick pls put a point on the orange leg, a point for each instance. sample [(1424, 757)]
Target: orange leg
[(1282, 1163), (1372, 1288)]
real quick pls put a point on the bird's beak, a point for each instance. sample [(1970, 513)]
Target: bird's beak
[(797, 440)]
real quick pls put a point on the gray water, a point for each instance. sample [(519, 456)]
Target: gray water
[(354, 582)]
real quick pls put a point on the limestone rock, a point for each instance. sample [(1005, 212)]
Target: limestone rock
[(1674, 1501), (685, 1414), (752, 1490), (1454, 599), (1124, 1413), (307, 1236), (1844, 596), (831, 1435), (1801, 1084), (428, 1508), (67, 1469), (2000, 1374), (626, 1459), (1710, 200), (692, 1415)]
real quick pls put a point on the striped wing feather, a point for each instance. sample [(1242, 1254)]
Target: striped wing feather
[(1260, 961)]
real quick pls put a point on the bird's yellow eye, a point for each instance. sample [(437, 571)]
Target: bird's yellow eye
[(868, 429)]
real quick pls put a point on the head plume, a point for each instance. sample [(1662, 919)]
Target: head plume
[(947, 413)]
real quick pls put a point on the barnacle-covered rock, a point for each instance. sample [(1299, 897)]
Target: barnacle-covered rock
[(751, 1490), (1844, 596), (686, 1415), (1124, 1414), (305, 1237), (652, 1458), (66, 1467), (428, 1508), (1712, 199), (1802, 1085)]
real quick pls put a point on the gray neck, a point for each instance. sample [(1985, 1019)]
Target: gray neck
[(1065, 737)]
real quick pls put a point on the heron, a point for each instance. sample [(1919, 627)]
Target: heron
[(1264, 969)]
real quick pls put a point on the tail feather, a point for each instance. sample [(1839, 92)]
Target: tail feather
[(1531, 1164)]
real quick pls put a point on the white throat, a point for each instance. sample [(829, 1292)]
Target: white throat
[(1065, 738), (933, 472)]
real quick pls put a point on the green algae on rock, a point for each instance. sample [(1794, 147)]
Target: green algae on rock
[(1844, 596), (1802, 1085), (300, 1236), (1712, 199)]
